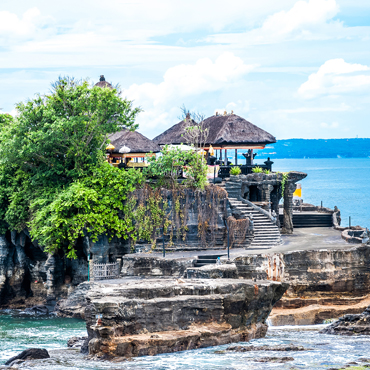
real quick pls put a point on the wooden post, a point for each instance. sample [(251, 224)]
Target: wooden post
[(220, 156), (252, 157), (236, 157), (225, 161)]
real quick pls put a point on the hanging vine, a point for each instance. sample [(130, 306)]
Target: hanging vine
[(215, 198), (284, 179), (238, 230)]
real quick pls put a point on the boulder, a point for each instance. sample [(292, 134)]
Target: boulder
[(30, 354), (39, 310), (350, 325), (76, 342)]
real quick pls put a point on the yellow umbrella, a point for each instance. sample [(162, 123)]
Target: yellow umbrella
[(211, 150), (110, 147)]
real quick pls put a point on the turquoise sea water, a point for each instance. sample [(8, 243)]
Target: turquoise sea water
[(19, 331), (323, 351), (341, 182)]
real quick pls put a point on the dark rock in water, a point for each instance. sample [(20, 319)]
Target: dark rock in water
[(267, 348), (279, 360), (358, 324), (37, 310), (76, 342), (30, 354)]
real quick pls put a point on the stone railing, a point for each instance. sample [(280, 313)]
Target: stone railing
[(106, 270), (259, 209)]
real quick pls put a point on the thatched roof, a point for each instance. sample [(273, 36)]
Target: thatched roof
[(103, 83), (136, 142), (227, 130)]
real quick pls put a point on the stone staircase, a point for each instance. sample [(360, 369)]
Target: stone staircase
[(207, 259), (266, 233)]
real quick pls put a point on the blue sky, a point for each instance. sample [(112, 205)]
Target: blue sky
[(298, 69)]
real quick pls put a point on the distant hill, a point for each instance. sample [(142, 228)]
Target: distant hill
[(317, 148)]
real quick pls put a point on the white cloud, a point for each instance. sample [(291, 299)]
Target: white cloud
[(334, 77), (184, 82), (308, 20), (300, 20), (10, 23)]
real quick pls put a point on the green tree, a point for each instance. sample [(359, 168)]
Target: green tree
[(167, 167), (55, 140)]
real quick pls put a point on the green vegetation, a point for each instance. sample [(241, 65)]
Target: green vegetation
[(167, 167), (285, 176), (257, 170), (267, 172), (54, 179), (235, 171)]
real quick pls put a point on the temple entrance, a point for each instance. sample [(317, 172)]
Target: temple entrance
[(254, 194)]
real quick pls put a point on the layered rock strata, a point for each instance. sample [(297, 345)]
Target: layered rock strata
[(324, 284), (152, 316)]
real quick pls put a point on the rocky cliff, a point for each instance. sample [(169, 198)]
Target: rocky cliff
[(29, 276), (151, 316), (324, 284)]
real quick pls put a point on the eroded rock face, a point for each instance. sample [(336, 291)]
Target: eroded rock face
[(324, 284), (75, 304), (151, 316), (350, 325), (29, 277)]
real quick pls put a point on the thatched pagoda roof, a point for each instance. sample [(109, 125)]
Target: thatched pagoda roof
[(223, 131), (136, 142), (103, 83)]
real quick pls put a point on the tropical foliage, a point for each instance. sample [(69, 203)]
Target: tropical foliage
[(174, 162), (50, 154), (55, 182), (235, 171)]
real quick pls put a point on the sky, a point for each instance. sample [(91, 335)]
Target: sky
[(298, 69)]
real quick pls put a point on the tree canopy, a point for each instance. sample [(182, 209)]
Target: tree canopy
[(54, 179), (55, 141)]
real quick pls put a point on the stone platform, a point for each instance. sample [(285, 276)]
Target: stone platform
[(151, 316)]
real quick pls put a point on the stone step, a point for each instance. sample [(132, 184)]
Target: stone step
[(266, 238), (266, 233)]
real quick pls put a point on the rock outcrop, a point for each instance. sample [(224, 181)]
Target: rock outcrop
[(152, 316), (30, 354), (350, 325), (324, 284)]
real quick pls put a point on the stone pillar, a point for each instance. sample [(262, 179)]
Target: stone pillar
[(91, 267), (288, 208), (266, 190)]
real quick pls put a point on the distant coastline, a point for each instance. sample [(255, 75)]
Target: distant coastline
[(317, 148)]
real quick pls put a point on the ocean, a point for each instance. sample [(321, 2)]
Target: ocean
[(341, 182)]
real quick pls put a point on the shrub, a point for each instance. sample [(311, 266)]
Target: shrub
[(235, 171), (257, 170)]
